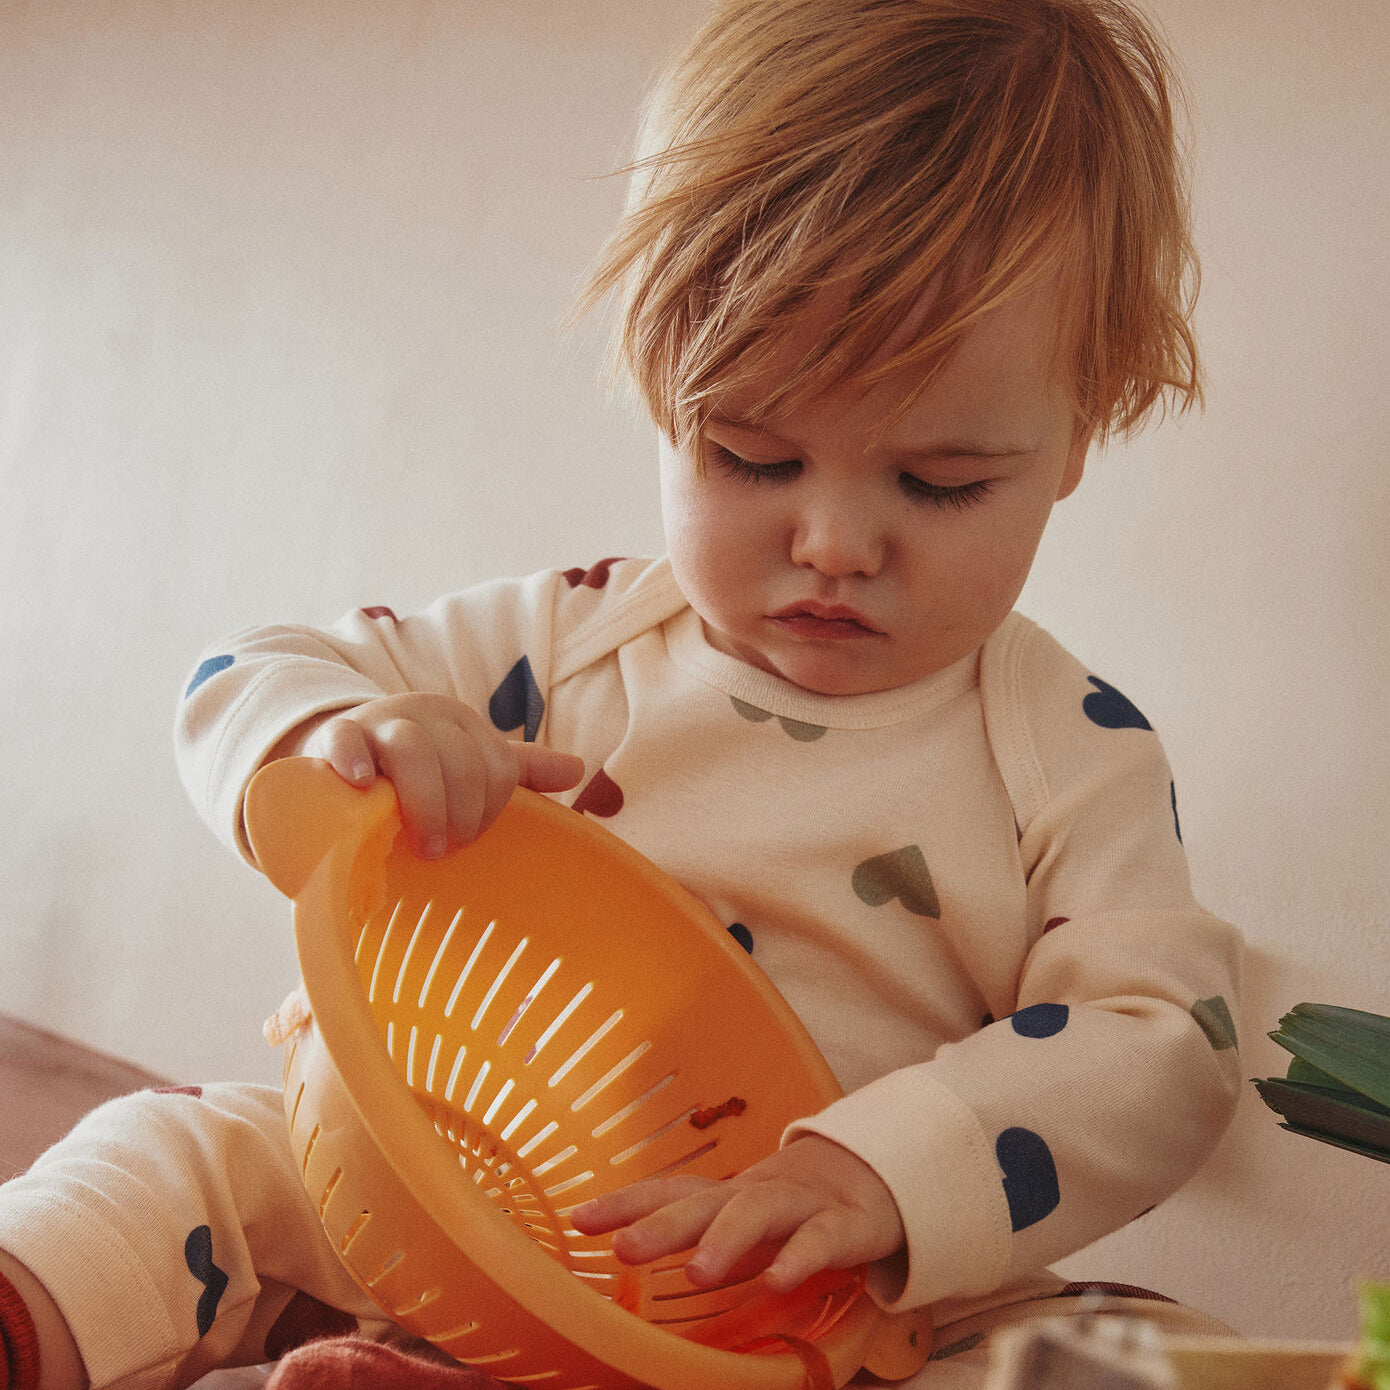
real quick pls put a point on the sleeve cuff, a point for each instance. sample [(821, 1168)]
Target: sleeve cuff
[(296, 693), (927, 1146)]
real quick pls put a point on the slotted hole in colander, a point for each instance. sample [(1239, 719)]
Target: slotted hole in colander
[(647, 1140), (309, 1149), (468, 969), (537, 1139), (584, 1048), (478, 1082), (433, 1063), (559, 1021), (462, 1330), (498, 1101), (332, 1183), (359, 1223), (610, 1076), (631, 1108), (454, 1073), (391, 1262), (379, 964), (526, 1003), (498, 983), (518, 1120), (569, 1184), (554, 1161), (428, 982), (415, 937), (416, 1305), (494, 1357), (685, 1162)]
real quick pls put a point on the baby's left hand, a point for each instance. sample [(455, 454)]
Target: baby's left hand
[(811, 1206)]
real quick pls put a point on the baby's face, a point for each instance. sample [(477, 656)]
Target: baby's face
[(846, 559)]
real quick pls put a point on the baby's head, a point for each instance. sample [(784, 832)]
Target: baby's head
[(843, 213)]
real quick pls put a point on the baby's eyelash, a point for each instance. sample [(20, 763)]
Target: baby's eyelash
[(739, 467), (956, 498)]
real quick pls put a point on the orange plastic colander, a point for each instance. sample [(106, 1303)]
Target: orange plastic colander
[(502, 1034)]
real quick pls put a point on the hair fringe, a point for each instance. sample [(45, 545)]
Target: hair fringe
[(877, 146)]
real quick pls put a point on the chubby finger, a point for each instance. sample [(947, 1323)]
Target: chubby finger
[(621, 1208), (829, 1240), (343, 744), (479, 777), (407, 757), (753, 1218), (672, 1228), (545, 769)]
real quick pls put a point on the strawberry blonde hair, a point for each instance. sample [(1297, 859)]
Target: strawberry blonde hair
[(873, 147)]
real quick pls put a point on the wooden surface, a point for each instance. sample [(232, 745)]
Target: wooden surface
[(47, 1083)]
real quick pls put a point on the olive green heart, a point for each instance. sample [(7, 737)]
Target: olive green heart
[(902, 874), (1214, 1019), (794, 728)]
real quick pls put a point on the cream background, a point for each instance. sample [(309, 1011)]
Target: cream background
[(279, 287)]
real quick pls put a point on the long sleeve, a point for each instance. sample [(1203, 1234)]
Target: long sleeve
[(498, 647), (1115, 1071), (485, 646)]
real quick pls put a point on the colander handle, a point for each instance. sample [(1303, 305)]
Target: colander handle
[(297, 809)]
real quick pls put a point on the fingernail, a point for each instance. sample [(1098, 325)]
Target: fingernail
[(435, 847), (362, 772)]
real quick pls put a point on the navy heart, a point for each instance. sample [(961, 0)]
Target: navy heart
[(1040, 1020), (207, 671), (1110, 709), (742, 935), (197, 1255), (1030, 1176), (517, 703)]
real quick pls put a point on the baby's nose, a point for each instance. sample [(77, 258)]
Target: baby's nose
[(838, 540)]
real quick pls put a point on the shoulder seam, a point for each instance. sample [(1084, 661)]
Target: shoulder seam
[(645, 606), (1006, 721)]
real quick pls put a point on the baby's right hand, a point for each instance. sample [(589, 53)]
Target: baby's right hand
[(452, 771)]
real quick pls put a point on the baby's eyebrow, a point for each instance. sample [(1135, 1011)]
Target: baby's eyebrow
[(903, 452), (960, 448)]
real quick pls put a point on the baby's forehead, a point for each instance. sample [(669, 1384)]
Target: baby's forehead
[(1006, 361)]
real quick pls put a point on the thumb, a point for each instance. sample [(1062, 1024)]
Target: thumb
[(545, 769)]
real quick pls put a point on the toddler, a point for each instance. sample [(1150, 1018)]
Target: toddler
[(888, 270)]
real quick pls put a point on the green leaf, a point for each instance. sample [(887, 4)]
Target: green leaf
[(1339, 1113), (1350, 1046), (1366, 1150), (1306, 1072)]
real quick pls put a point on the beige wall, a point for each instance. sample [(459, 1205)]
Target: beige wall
[(279, 286)]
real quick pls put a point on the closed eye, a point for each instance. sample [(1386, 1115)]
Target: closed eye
[(956, 498), (736, 466)]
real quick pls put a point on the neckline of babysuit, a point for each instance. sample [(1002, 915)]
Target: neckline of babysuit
[(690, 650)]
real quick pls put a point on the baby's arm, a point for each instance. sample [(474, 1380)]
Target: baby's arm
[(813, 1205), (431, 700), (451, 770)]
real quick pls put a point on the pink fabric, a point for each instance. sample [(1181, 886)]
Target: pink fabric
[(353, 1363)]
